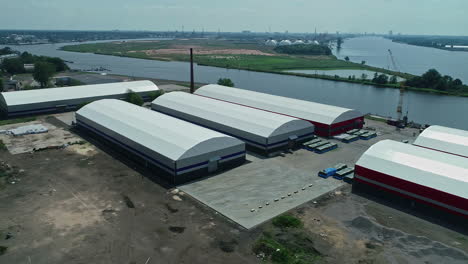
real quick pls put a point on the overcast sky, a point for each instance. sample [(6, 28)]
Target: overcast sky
[(443, 17)]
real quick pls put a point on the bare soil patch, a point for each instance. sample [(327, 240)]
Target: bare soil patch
[(204, 51)]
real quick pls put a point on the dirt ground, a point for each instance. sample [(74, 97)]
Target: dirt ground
[(75, 206), (351, 228), (204, 51), (86, 204)]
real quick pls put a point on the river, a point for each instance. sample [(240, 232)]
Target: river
[(422, 108), (408, 58)]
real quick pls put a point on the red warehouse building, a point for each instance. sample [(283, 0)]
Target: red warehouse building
[(444, 139), (328, 120), (430, 177)]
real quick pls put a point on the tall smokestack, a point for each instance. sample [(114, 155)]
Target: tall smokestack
[(192, 85)]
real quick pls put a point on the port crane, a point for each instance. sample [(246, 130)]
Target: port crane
[(401, 121)]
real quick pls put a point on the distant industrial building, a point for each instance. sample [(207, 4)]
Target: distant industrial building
[(428, 176), (444, 139), (68, 98), (259, 129), (8, 56), (457, 46), (271, 42), (183, 150), (285, 42), (328, 120)]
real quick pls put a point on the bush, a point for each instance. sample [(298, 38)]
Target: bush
[(287, 221), (380, 79), (3, 249), (225, 82), (287, 247), (134, 98), (13, 66), (156, 94)]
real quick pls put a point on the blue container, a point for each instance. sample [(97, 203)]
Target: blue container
[(327, 173)]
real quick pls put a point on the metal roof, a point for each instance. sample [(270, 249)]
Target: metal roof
[(445, 139), (321, 113), (73, 92), (433, 169), (255, 121), (169, 136)]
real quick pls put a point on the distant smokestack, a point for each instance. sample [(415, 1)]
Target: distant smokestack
[(192, 85)]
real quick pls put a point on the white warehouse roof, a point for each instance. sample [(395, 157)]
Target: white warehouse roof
[(433, 169), (321, 113), (153, 133), (73, 92), (445, 139), (243, 122)]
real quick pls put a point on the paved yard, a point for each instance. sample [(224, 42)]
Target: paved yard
[(239, 193)]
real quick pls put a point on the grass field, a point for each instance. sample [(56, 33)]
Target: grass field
[(178, 51), (243, 55)]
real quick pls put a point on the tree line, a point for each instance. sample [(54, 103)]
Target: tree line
[(434, 80), (44, 67)]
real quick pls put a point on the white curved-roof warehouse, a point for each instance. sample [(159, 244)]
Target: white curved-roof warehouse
[(445, 139), (243, 122), (72, 92), (321, 113), (433, 169), (47, 99), (173, 142)]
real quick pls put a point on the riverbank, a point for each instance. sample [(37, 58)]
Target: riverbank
[(248, 56)]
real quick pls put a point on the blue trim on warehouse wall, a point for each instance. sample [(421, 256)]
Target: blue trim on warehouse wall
[(242, 138), (150, 158)]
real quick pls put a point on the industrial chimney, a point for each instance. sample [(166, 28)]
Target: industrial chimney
[(192, 85)]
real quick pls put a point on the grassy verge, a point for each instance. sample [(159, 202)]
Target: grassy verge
[(17, 120), (286, 243), (376, 118)]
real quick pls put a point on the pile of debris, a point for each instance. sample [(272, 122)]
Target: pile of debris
[(26, 130)]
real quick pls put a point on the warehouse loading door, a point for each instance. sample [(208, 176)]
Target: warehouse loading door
[(213, 164)]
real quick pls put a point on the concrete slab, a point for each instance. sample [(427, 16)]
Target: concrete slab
[(262, 180), (256, 186), (55, 137)]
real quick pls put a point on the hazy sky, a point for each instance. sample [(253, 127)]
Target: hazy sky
[(407, 16)]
